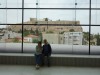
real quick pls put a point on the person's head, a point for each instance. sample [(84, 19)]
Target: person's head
[(39, 43), (45, 41)]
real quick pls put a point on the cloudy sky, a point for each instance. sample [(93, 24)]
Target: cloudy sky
[(15, 16)]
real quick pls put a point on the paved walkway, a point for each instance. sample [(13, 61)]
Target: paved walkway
[(30, 70)]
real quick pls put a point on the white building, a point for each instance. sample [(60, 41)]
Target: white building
[(51, 38), (28, 39), (73, 38), (10, 34)]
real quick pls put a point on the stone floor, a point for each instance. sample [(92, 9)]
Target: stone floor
[(54, 70)]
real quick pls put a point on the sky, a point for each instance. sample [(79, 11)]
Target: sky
[(15, 16)]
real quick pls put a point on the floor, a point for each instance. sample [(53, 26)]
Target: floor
[(30, 70)]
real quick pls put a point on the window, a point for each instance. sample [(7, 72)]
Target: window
[(64, 23)]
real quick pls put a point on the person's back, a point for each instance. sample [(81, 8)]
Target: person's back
[(38, 50), (46, 52), (46, 49)]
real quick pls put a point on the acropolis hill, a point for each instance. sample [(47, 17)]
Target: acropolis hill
[(48, 25)]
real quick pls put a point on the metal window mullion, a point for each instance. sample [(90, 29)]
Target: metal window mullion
[(89, 26), (22, 22)]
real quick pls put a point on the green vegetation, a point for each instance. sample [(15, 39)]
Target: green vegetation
[(62, 32), (86, 35), (26, 32), (36, 32), (15, 40), (20, 31), (35, 40), (49, 32), (71, 30), (97, 36)]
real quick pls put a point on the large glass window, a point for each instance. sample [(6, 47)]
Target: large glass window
[(68, 25)]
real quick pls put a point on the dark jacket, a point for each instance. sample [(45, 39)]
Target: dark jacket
[(47, 52)]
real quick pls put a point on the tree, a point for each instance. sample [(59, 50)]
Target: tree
[(86, 35), (72, 30), (62, 32), (46, 19), (26, 32), (40, 37), (35, 40), (16, 40), (20, 31), (92, 37), (98, 38), (37, 32)]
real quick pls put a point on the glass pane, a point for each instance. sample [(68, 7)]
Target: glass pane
[(58, 36), (57, 14), (95, 40), (63, 3), (10, 16), (3, 3), (80, 40), (10, 38), (30, 3), (29, 16), (14, 16), (82, 16), (2, 41), (57, 3), (65, 15), (82, 3), (95, 3), (31, 35), (11, 3), (3, 18), (95, 17)]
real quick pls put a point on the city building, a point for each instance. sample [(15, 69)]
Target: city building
[(73, 38), (52, 38), (68, 38)]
